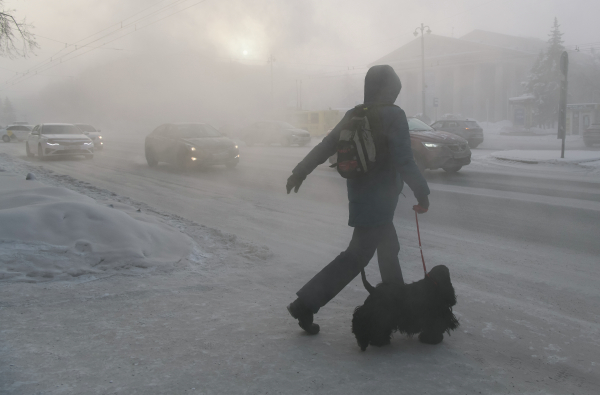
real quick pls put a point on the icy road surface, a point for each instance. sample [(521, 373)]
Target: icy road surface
[(522, 244)]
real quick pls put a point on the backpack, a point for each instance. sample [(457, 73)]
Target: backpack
[(362, 147)]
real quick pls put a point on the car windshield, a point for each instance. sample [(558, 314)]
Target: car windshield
[(60, 129), (471, 124), (196, 130), (285, 125), (415, 125), (86, 128)]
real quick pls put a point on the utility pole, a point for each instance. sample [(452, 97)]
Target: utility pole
[(562, 104), (423, 86), (271, 60)]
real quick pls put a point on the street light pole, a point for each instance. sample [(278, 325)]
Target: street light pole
[(423, 85)]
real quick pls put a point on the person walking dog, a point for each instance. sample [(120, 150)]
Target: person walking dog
[(374, 154)]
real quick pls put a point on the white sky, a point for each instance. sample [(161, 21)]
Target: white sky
[(299, 33)]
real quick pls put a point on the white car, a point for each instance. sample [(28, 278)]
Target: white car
[(16, 132), (58, 139)]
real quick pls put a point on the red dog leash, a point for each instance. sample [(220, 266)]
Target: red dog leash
[(421, 249)]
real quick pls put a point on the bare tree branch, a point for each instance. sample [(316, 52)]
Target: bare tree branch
[(13, 33)]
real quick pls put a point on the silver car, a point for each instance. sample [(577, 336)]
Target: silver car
[(58, 139)]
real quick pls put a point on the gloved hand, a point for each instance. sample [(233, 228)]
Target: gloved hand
[(423, 205), (294, 182)]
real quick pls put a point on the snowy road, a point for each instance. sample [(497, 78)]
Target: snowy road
[(521, 243)]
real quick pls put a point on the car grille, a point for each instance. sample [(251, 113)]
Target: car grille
[(457, 147)]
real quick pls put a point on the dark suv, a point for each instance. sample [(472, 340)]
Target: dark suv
[(467, 129)]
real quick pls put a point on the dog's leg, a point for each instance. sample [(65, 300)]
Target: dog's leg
[(360, 326)]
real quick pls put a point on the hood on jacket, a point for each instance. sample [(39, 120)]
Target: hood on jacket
[(382, 85)]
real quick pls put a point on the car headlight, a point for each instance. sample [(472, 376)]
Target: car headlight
[(236, 147), (88, 143), (432, 145), (192, 148), (49, 143), (100, 137)]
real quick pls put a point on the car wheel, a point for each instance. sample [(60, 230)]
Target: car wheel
[(452, 169), (28, 151), (89, 156), (302, 144), (285, 141), (5, 138), (41, 152), (151, 157)]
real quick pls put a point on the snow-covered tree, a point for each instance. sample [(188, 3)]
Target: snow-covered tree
[(543, 81), (16, 38)]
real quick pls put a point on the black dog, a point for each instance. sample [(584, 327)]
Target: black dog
[(423, 307)]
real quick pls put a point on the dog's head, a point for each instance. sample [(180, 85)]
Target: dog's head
[(441, 276)]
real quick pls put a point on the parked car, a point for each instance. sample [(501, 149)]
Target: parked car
[(591, 135), (188, 144), (273, 132), (56, 139), (93, 134), (465, 128), (16, 132), (433, 149)]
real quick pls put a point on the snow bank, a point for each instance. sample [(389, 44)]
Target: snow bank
[(548, 156), (49, 232)]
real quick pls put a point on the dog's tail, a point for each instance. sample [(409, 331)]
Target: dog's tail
[(368, 286)]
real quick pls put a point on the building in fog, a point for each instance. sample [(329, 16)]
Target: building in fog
[(473, 76)]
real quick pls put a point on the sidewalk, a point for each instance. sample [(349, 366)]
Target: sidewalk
[(575, 157)]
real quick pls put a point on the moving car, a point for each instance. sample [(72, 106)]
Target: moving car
[(188, 144), (93, 134), (591, 135), (56, 139), (16, 132), (273, 132), (467, 129), (433, 149)]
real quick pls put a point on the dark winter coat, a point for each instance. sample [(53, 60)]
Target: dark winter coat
[(373, 198)]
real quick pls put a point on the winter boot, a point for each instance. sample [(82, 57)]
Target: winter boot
[(304, 317)]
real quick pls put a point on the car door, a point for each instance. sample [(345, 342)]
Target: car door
[(273, 132), (172, 144), (158, 143), (452, 127), (34, 138)]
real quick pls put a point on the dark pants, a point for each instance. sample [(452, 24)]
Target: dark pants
[(334, 277)]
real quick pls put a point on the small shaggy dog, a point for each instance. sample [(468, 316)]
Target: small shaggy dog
[(423, 307)]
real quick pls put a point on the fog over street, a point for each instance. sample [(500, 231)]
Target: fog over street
[(149, 242)]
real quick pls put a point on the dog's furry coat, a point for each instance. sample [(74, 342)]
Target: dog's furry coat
[(423, 307)]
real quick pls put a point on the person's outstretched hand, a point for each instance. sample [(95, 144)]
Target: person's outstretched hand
[(423, 205), (294, 182)]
